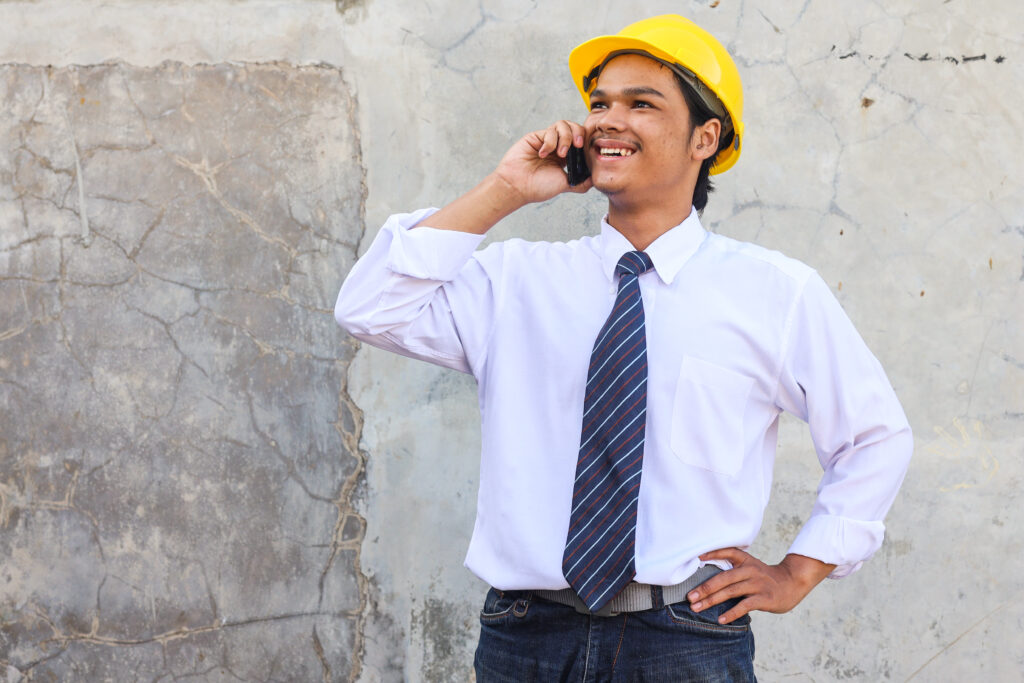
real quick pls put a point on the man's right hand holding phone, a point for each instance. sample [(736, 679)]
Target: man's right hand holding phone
[(534, 165), (531, 171)]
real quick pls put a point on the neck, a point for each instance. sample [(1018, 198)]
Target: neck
[(642, 224)]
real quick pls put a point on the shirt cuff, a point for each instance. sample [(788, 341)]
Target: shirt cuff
[(428, 253), (841, 541)]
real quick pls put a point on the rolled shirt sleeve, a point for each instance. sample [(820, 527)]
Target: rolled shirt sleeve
[(427, 253), (401, 294), (830, 379)]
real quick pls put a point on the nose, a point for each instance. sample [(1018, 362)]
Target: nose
[(613, 118)]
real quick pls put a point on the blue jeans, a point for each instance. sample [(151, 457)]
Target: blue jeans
[(525, 638)]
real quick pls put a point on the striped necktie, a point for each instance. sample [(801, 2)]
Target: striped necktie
[(599, 549)]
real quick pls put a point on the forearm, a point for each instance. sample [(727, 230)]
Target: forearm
[(478, 210), (806, 572)]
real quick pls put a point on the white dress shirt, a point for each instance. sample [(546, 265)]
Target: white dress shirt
[(736, 334)]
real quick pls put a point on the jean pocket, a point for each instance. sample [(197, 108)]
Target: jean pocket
[(707, 416), (706, 620), (500, 604)]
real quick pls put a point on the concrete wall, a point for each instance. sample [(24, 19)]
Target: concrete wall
[(200, 475)]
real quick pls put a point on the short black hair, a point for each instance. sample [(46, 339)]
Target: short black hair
[(700, 114)]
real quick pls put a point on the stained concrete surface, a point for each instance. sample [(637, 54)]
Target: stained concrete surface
[(883, 147), (177, 448)]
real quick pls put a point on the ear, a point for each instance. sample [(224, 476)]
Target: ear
[(704, 140)]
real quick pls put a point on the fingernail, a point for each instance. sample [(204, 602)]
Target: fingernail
[(696, 607), (692, 596), (579, 140), (562, 151), (721, 620)]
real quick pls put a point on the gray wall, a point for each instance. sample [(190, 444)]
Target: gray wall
[(199, 474)]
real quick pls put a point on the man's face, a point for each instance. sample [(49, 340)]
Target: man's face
[(638, 132)]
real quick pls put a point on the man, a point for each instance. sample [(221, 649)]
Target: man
[(654, 348)]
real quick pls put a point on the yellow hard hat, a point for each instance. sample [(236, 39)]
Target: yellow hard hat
[(687, 49)]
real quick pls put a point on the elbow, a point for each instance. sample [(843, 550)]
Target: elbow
[(343, 316), (350, 315), (906, 438), (901, 438), (342, 313), (358, 313)]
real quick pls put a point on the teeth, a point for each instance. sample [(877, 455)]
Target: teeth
[(616, 151)]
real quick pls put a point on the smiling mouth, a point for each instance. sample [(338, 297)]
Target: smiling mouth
[(614, 151)]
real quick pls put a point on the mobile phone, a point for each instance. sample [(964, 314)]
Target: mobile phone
[(576, 165)]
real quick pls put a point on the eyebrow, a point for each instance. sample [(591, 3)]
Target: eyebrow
[(634, 91)]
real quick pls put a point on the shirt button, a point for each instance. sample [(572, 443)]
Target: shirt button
[(611, 289)]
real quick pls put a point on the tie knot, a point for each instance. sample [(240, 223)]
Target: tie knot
[(634, 263)]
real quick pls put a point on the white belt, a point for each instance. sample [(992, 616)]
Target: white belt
[(635, 597)]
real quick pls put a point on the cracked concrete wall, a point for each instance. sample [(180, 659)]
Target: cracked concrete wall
[(883, 147), (177, 447)]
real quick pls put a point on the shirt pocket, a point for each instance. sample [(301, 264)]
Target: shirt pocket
[(707, 416)]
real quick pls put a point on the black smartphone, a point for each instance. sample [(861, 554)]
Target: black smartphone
[(576, 165)]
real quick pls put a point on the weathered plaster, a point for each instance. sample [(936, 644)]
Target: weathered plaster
[(179, 451)]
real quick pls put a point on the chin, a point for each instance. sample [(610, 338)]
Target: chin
[(608, 186)]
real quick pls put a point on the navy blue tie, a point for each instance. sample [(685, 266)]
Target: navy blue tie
[(599, 551)]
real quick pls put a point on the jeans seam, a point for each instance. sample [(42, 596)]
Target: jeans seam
[(622, 635), (494, 616), (586, 659)]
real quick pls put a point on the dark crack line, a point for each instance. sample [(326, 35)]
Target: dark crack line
[(312, 231), (26, 669), (290, 470), (185, 358), (29, 240), (199, 289), (953, 642)]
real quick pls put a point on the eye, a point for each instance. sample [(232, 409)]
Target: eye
[(597, 105), (643, 104)]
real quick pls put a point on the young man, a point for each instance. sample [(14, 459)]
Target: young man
[(630, 383)]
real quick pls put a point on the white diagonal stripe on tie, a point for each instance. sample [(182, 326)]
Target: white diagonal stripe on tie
[(600, 341), (611, 554), (611, 524), (611, 383), (611, 354)]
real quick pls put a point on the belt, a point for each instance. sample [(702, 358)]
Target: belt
[(635, 597)]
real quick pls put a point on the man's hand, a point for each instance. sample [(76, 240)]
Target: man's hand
[(533, 167), (769, 588), (531, 171)]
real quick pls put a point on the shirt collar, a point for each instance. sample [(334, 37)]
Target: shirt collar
[(668, 253)]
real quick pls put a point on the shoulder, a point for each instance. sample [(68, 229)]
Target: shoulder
[(747, 255)]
